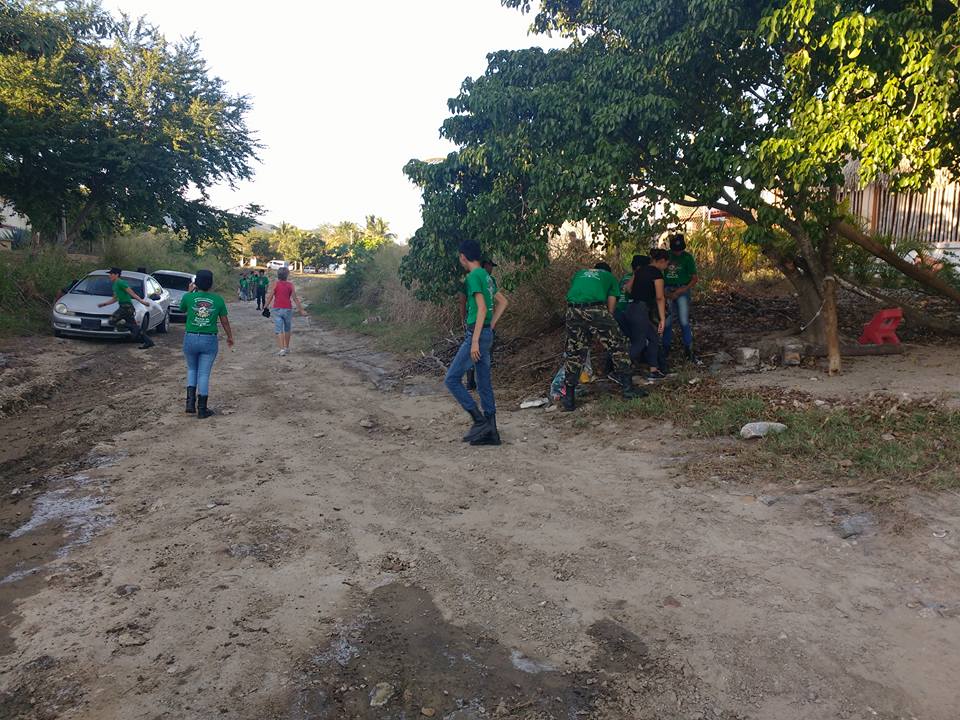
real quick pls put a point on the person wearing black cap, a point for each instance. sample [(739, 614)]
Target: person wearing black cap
[(484, 307), (680, 278), (124, 296), (200, 345)]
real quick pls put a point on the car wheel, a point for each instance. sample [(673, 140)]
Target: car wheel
[(164, 325)]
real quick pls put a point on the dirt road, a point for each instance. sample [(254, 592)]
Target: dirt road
[(328, 548)]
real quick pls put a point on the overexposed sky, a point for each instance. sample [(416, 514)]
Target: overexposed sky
[(344, 93)]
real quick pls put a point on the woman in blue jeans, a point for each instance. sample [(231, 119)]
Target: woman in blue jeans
[(200, 342), (680, 277)]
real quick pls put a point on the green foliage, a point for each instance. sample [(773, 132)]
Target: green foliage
[(698, 102), (723, 256), (163, 250), (105, 122), (856, 264), (29, 282)]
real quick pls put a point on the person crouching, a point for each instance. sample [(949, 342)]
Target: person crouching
[(591, 302)]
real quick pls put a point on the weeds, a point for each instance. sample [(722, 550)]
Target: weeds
[(880, 443)]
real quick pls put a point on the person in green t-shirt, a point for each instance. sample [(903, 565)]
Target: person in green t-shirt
[(679, 279), (591, 302), (244, 287), (488, 265), (484, 307), (125, 315), (262, 282), (200, 347)]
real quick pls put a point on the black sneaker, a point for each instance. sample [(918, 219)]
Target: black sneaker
[(655, 375)]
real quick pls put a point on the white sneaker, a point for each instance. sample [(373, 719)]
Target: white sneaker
[(282, 352)]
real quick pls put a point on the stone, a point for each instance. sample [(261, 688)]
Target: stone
[(537, 488), (855, 525), (131, 640), (428, 712), (367, 423), (125, 590), (534, 403), (747, 357), (791, 355), (382, 692), (761, 429)]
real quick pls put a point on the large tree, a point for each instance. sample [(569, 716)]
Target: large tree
[(697, 102), (103, 121)]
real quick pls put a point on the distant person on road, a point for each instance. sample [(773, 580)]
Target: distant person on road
[(591, 302), (679, 279), (200, 345), (242, 293), (281, 298), (262, 282), (124, 315), (484, 307)]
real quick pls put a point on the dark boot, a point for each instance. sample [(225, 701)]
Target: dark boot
[(569, 400), (488, 435), (202, 410), (478, 422), (630, 391), (191, 399)]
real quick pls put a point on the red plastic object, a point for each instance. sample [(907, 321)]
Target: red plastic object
[(882, 328)]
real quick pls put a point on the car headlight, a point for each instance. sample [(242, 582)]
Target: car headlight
[(62, 309)]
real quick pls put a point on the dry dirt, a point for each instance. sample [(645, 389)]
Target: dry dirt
[(327, 544)]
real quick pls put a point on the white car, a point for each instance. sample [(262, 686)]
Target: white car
[(76, 312), (276, 264), (176, 283)]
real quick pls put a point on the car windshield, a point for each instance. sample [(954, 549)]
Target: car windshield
[(101, 285), (172, 282)]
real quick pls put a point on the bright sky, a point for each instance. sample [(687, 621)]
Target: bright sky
[(344, 93)]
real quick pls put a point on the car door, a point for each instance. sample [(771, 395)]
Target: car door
[(156, 309)]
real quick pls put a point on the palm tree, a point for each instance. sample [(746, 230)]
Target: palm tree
[(379, 227)]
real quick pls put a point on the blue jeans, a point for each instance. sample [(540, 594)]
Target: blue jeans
[(679, 308), (463, 362), (282, 320), (200, 350)]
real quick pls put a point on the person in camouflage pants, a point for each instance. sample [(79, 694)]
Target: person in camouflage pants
[(591, 301)]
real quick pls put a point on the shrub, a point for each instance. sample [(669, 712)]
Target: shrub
[(29, 282)]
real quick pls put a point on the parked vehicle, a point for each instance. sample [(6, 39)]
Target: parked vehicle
[(276, 264), (76, 312), (177, 284), (310, 269)]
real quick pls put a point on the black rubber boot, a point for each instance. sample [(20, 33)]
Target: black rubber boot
[(488, 435), (202, 410), (569, 400), (478, 422), (630, 391), (191, 399)]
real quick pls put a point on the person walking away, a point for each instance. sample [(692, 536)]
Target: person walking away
[(679, 278), (124, 296), (200, 342), (242, 290), (648, 310), (591, 302), (488, 265), (281, 297), (262, 281), (483, 310)]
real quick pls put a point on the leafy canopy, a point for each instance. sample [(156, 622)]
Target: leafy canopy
[(704, 102), (102, 120)]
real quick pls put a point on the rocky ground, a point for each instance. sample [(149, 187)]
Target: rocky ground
[(326, 547)]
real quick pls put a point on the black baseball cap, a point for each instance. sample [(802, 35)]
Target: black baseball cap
[(677, 242)]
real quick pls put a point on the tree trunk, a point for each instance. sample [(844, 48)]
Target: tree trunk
[(921, 274), (830, 302), (812, 326)]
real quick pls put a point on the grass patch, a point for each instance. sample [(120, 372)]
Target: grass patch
[(884, 441), (29, 282), (402, 337)]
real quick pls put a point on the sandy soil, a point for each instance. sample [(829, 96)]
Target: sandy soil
[(326, 547)]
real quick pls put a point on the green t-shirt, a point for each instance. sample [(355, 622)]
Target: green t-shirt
[(624, 296), (479, 281), (592, 286), (680, 270), (120, 293), (203, 309), (243, 281), (263, 281)]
